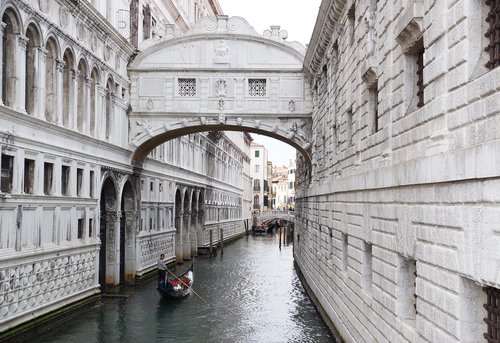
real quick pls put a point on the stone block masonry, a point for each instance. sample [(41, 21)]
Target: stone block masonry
[(397, 227)]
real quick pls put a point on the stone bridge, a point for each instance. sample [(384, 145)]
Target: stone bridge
[(219, 76), (271, 215)]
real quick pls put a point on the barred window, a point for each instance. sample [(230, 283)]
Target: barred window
[(187, 87), (492, 333), (493, 34), (257, 87)]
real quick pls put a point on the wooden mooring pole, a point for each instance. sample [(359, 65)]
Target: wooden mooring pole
[(210, 250), (280, 238), (221, 242)]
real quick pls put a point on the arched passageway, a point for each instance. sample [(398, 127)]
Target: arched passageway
[(128, 223), (107, 234)]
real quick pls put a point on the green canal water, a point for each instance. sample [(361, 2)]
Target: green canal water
[(250, 294)]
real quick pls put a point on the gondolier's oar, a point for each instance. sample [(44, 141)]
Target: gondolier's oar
[(188, 287)]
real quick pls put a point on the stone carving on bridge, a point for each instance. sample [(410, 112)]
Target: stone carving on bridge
[(203, 120), (150, 104), (296, 130), (221, 104), (148, 128), (291, 105), (222, 118), (221, 87)]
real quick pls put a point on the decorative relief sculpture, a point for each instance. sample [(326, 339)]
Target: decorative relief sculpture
[(221, 87), (150, 104), (239, 121), (63, 17), (222, 118), (146, 125), (296, 130), (291, 105), (221, 104), (80, 31), (203, 120), (222, 49), (44, 5), (257, 123)]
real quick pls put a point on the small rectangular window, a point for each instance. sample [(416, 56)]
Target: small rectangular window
[(48, 176), (349, 130), (345, 254), (65, 180), (493, 35), (29, 176), (257, 168), (257, 152), (187, 87), (79, 182), (257, 87), (91, 227), (92, 184), (7, 173), (80, 228), (152, 186), (373, 106)]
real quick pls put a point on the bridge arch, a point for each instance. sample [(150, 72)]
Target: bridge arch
[(219, 76)]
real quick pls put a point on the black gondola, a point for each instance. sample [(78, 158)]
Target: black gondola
[(177, 286)]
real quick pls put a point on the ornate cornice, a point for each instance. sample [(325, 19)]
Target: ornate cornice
[(328, 19)]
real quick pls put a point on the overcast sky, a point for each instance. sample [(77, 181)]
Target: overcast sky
[(295, 16)]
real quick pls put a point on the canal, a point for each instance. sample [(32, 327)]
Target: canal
[(250, 294)]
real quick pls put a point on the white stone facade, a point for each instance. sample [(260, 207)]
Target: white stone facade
[(75, 212), (258, 175), (396, 229)]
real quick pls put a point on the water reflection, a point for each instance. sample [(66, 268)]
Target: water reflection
[(251, 294)]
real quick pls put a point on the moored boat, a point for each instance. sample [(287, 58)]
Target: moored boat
[(177, 286)]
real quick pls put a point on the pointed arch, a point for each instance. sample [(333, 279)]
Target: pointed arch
[(109, 106), (68, 96), (10, 66), (94, 83), (81, 95), (51, 78), (32, 59)]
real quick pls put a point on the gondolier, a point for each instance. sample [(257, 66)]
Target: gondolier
[(162, 269)]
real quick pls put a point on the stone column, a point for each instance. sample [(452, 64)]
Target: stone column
[(186, 252), (73, 100), (20, 78), (194, 236), (86, 106), (59, 91), (2, 29), (178, 237), (100, 113), (40, 83)]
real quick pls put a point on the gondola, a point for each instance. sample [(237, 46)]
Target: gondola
[(177, 286)]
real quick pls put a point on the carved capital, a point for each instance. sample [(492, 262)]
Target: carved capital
[(74, 74), (60, 65), (22, 41)]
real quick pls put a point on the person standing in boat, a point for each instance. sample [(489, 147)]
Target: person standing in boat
[(162, 269)]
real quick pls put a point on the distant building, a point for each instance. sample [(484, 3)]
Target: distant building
[(283, 186), (258, 174)]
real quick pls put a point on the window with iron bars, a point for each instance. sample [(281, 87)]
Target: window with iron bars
[(187, 87), (492, 306), (257, 87), (493, 34)]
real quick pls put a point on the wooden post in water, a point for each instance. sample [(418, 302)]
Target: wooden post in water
[(221, 242), (280, 238), (210, 251)]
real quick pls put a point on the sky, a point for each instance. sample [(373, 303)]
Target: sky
[(295, 16)]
